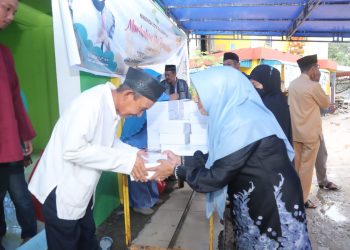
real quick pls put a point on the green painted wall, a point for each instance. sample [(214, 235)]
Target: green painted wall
[(89, 80), (30, 38)]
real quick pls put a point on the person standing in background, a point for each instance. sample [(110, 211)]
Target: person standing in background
[(231, 59), (267, 81), (321, 160), (142, 195), (175, 88), (305, 98), (15, 138)]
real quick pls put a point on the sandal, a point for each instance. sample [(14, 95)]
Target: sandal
[(330, 186), (310, 204)]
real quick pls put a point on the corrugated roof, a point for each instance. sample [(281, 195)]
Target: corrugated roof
[(282, 18)]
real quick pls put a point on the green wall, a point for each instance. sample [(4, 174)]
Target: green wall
[(30, 38)]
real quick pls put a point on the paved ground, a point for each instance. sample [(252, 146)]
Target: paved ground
[(114, 225)]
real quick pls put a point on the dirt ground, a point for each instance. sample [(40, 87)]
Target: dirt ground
[(328, 224)]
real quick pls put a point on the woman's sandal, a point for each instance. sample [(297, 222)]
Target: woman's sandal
[(330, 186), (310, 204)]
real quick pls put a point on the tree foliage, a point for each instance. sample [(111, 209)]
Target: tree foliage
[(339, 52)]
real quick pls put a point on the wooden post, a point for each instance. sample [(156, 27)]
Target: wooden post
[(126, 210), (211, 231)]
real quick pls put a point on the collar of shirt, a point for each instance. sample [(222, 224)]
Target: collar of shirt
[(305, 76)]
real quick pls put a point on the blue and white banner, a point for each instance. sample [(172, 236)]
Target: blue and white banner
[(111, 35)]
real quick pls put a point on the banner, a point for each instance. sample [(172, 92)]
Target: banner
[(111, 35), (291, 72)]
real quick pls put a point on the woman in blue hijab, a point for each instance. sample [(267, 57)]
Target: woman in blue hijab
[(250, 159)]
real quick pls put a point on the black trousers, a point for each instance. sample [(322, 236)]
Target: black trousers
[(68, 234)]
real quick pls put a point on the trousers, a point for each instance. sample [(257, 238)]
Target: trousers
[(12, 180), (321, 163), (304, 161), (68, 234)]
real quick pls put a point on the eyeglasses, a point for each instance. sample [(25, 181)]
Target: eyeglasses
[(317, 66)]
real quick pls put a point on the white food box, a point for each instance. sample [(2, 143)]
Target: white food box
[(175, 127), (184, 150), (197, 117), (177, 139), (198, 139), (153, 140), (199, 128), (176, 109)]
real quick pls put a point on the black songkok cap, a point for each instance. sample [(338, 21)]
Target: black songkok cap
[(170, 68), (143, 84), (307, 60), (231, 56)]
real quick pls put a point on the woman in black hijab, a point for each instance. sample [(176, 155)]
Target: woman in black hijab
[(267, 81)]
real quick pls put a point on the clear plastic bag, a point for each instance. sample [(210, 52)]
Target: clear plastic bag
[(10, 216)]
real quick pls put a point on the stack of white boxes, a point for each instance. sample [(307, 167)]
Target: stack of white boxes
[(177, 126)]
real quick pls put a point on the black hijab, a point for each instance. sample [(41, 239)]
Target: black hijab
[(272, 95)]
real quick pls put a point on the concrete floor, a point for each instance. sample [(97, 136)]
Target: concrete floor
[(194, 234)]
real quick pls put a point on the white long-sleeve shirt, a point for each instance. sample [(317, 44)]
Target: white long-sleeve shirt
[(82, 145)]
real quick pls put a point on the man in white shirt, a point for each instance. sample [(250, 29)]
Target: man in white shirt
[(82, 145)]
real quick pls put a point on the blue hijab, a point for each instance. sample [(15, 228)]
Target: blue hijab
[(237, 118)]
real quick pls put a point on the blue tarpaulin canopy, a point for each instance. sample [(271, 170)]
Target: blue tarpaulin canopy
[(281, 18)]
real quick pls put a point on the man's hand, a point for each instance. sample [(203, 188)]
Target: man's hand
[(174, 96), (28, 148), (332, 108), (139, 171)]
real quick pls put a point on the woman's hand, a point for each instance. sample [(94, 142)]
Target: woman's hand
[(164, 170), (176, 159)]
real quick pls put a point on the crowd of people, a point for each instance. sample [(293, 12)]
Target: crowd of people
[(263, 148)]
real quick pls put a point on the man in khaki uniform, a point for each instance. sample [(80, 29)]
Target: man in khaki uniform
[(305, 99)]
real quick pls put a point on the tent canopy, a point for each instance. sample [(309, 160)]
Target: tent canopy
[(278, 18), (281, 18)]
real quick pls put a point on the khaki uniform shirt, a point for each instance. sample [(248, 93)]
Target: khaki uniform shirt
[(305, 98)]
